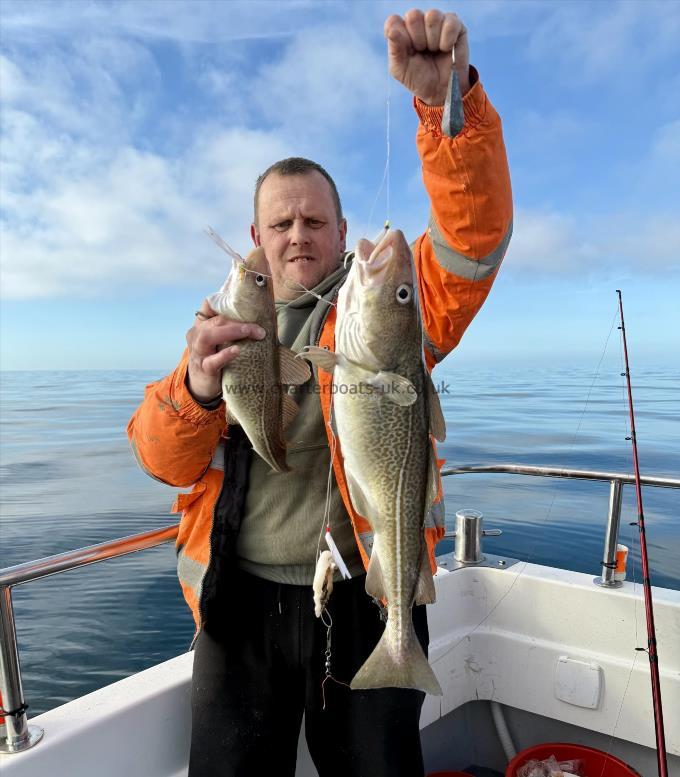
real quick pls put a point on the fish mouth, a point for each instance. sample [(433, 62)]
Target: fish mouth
[(388, 261), (373, 262)]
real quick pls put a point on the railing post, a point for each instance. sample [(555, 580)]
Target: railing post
[(19, 735), (611, 538)]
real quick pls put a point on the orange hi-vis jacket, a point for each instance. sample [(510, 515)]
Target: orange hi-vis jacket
[(183, 444)]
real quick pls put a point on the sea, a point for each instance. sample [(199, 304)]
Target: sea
[(68, 480)]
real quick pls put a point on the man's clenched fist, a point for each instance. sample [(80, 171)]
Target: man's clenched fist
[(419, 51)]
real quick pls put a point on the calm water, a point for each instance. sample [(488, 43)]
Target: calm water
[(68, 479)]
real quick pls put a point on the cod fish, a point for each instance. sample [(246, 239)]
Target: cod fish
[(385, 408), (253, 384)]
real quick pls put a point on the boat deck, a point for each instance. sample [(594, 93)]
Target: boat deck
[(554, 650)]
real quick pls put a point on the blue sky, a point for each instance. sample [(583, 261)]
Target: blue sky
[(130, 126)]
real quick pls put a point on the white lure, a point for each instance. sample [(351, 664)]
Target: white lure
[(323, 581)]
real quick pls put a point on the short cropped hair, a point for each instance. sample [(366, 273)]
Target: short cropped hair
[(296, 165)]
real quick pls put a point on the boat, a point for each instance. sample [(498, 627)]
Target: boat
[(525, 654)]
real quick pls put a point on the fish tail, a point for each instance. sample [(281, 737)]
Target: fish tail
[(383, 670)]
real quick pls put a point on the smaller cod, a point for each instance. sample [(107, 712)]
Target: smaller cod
[(385, 409), (253, 385)]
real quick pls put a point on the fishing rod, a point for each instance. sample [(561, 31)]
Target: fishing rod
[(662, 764)]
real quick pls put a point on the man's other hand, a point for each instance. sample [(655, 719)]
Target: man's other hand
[(212, 345), (419, 50)]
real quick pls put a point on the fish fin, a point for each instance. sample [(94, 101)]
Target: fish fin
[(437, 422), (375, 585), (425, 593), (231, 419), (395, 388), (319, 356), (272, 449), (357, 497), (289, 410), (293, 371), (432, 486), (381, 670)]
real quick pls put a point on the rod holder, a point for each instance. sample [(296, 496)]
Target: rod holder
[(468, 534), (611, 537)]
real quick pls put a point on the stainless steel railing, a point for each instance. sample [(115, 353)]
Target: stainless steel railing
[(20, 735), (616, 481)]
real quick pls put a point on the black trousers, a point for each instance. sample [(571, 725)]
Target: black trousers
[(257, 674)]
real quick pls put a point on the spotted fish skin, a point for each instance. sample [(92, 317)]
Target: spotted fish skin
[(382, 418), (252, 383)]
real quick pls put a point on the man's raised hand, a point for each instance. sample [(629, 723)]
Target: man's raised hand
[(419, 50), (213, 343)]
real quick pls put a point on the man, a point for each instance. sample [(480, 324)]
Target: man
[(248, 537)]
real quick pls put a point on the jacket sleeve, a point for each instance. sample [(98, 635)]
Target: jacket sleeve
[(468, 182), (172, 436)]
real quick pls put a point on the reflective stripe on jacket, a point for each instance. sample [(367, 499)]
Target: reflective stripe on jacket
[(182, 444)]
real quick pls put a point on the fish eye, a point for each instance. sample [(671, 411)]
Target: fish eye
[(404, 294), (260, 280)]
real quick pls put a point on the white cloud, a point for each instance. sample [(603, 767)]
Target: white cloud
[(189, 21), (586, 37), (549, 243), (12, 80), (29, 152), (218, 82), (91, 91), (137, 217), (87, 209), (637, 229), (327, 80), (650, 243), (92, 200), (595, 41)]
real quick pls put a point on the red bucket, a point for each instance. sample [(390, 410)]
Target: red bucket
[(593, 761)]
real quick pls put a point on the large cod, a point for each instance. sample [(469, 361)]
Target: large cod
[(385, 408), (253, 385)]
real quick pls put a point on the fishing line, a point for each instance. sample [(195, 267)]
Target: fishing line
[(288, 285), (326, 618), (635, 652), (240, 261), (632, 540), (326, 522), (387, 163), (386, 172), (605, 761), (635, 602), (532, 548), (328, 623)]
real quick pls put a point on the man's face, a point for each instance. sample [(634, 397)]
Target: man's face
[(299, 231)]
